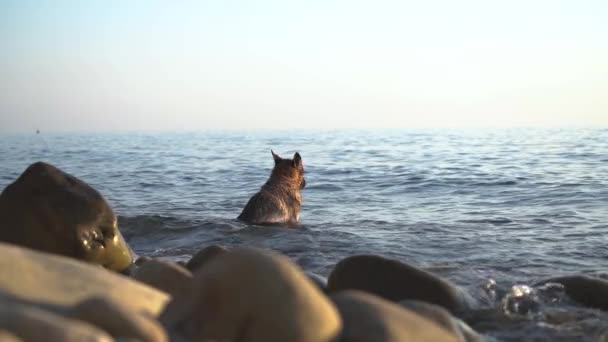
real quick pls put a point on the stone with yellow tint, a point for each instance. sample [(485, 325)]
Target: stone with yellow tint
[(252, 295), (203, 256), (7, 336), (63, 282), (163, 275), (33, 324), (367, 317), (49, 210), (119, 320)]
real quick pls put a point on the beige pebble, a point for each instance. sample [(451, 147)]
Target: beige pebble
[(52, 279), (7, 336), (118, 320), (252, 295), (163, 275), (204, 256), (370, 318), (35, 325)]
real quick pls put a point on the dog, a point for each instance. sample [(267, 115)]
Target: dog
[(279, 200)]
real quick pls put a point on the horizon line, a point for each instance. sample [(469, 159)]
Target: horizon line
[(305, 129)]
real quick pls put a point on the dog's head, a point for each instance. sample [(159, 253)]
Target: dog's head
[(291, 169)]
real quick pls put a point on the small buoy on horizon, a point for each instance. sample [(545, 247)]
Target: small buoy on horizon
[(37, 131)]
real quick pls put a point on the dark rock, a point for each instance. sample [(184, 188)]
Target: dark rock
[(395, 281), (49, 210), (142, 260), (318, 280), (203, 256), (163, 275), (592, 292), (443, 318), (370, 318)]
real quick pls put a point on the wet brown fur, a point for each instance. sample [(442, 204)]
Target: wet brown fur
[(280, 199)]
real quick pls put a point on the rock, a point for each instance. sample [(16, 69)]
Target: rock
[(252, 295), (163, 275), (51, 279), (370, 318), (592, 292), (51, 211), (32, 324), (395, 281), (7, 336), (318, 280), (119, 320), (603, 337), (443, 318), (203, 256), (142, 260), (560, 316)]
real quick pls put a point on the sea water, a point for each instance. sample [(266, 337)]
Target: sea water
[(476, 206)]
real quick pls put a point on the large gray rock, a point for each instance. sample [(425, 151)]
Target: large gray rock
[(318, 280), (7, 336), (368, 318), (443, 318), (203, 256), (119, 320), (592, 292), (395, 281), (252, 295), (163, 275), (64, 282), (49, 210), (32, 324)]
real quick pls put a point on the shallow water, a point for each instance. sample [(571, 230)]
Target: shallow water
[(515, 205)]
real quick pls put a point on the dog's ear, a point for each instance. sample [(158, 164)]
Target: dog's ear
[(276, 157), (297, 160)]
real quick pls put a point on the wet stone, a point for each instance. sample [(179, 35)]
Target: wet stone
[(367, 317), (164, 275), (394, 281), (33, 324), (49, 210), (203, 256), (252, 295), (119, 320)]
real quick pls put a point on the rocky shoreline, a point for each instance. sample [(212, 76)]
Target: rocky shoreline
[(66, 274)]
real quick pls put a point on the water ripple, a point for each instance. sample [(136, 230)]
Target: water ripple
[(511, 205)]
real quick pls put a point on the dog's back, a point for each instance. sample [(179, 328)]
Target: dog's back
[(280, 199)]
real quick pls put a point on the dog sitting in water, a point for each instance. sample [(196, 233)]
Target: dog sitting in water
[(280, 199)]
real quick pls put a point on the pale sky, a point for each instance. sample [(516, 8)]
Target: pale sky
[(181, 65)]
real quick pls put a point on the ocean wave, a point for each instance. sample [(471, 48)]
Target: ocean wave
[(496, 183), (495, 221), (324, 187), (149, 224)]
